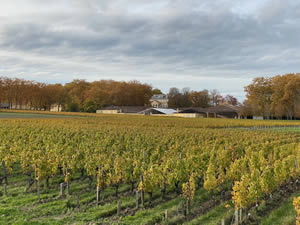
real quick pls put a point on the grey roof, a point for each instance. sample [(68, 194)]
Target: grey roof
[(160, 110), (125, 109), (193, 110), (223, 109), (215, 109), (5, 105)]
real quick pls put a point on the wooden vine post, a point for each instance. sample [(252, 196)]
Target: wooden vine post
[(62, 189), (166, 215), (98, 195), (99, 186), (37, 182), (4, 172), (142, 192), (5, 177), (5, 189), (67, 180), (35, 177), (78, 201), (241, 218), (38, 190), (118, 208), (137, 199), (236, 217)]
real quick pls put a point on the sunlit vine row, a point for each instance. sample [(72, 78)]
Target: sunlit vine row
[(177, 158)]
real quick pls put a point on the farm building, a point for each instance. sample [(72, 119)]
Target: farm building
[(220, 111), (193, 112), (190, 114), (56, 108), (223, 111), (158, 111), (4, 106), (159, 101), (121, 109), (258, 117)]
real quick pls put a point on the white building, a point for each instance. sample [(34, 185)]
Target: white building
[(159, 101), (55, 108), (158, 111)]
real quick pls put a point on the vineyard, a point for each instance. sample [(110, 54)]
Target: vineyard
[(148, 170)]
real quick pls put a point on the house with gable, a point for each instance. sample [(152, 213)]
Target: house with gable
[(159, 101)]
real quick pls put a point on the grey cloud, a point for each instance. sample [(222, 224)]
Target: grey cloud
[(192, 38), (32, 37)]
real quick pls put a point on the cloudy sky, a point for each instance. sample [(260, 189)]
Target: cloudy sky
[(199, 44)]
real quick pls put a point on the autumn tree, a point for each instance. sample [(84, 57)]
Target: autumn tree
[(179, 99), (215, 97), (109, 92), (200, 98), (291, 96), (174, 97), (156, 91), (229, 99), (277, 96), (77, 90), (259, 94)]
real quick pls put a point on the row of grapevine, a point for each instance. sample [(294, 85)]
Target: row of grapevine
[(165, 157)]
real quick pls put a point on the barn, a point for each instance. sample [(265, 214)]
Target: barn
[(158, 111), (4, 106), (220, 111), (121, 109)]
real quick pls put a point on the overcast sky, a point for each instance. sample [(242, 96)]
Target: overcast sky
[(220, 44)]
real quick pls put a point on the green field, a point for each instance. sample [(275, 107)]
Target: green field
[(21, 206), (41, 145)]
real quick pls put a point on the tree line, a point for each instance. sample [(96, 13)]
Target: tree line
[(187, 98), (269, 97), (80, 95), (273, 97)]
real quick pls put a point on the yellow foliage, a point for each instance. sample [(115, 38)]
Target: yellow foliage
[(210, 181), (297, 207), (240, 193), (189, 188)]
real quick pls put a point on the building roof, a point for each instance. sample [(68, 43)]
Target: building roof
[(4, 105), (193, 110), (160, 110), (166, 111), (222, 109), (215, 109), (125, 109)]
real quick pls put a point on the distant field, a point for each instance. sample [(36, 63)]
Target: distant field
[(294, 129)]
